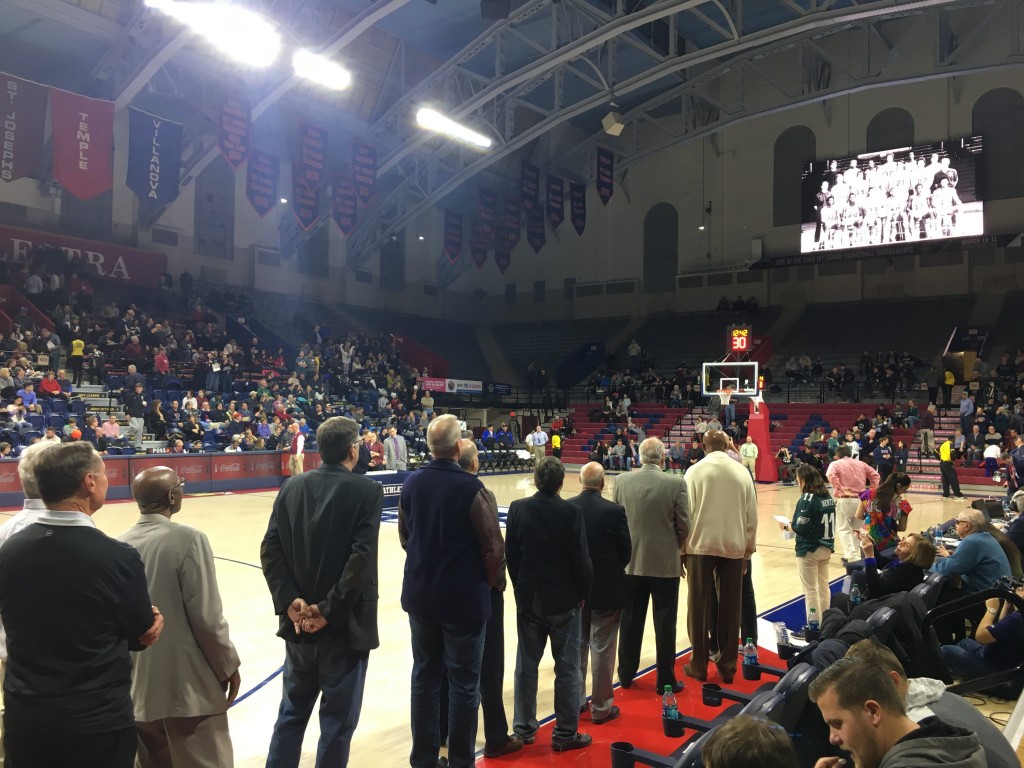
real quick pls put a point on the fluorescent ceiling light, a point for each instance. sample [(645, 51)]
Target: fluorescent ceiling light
[(320, 70), (433, 120), (238, 33)]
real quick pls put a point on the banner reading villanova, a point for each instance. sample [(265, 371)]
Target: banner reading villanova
[(154, 157)]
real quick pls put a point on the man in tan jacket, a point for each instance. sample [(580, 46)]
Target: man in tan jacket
[(182, 686), (723, 536), (656, 510)]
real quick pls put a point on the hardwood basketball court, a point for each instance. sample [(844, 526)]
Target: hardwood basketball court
[(235, 524)]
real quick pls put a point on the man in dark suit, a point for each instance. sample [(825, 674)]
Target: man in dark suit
[(610, 550), (319, 558), (448, 526), (363, 456), (548, 560), (497, 741)]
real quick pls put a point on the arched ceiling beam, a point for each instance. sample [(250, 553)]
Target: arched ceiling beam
[(767, 39)]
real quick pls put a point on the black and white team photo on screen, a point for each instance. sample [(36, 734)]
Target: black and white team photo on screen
[(895, 196)]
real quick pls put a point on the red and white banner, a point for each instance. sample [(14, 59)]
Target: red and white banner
[(83, 143), (114, 262), (23, 110), (235, 131)]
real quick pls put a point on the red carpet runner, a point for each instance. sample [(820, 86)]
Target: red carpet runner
[(639, 723)]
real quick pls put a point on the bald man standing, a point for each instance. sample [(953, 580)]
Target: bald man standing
[(610, 551), (182, 686)]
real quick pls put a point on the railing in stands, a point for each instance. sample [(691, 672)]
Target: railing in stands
[(419, 357), (11, 302)]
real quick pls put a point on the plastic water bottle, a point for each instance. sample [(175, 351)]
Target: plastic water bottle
[(669, 707), (855, 596), (750, 653), (812, 622)]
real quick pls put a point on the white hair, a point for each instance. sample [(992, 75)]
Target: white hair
[(443, 436), (652, 451), (26, 468)]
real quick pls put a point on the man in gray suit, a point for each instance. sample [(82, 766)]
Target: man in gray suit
[(182, 687), (657, 512), (396, 453)]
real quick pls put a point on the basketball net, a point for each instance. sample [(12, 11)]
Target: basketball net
[(724, 396)]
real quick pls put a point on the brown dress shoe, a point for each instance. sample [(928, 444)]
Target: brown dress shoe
[(514, 744), (689, 671)]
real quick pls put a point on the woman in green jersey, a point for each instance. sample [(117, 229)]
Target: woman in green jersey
[(814, 523)]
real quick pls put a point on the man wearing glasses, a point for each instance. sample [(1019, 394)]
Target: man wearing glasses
[(978, 563), (182, 687)]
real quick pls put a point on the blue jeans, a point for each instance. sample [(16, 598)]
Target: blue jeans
[(459, 649), (309, 670), (730, 414), (534, 631), (965, 660)]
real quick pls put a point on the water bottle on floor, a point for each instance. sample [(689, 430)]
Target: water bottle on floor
[(855, 596), (750, 653), (669, 707), (812, 621)]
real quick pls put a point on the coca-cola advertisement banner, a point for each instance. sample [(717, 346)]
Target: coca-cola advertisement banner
[(235, 131), (452, 235), (605, 174), (23, 107), (364, 171), (344, 207), (114, 262), (312, 155), (529, 190), (83, 143), (556, 201), (578, 206), (262, 179)]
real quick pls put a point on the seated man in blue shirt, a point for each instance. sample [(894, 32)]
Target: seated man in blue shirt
[(979, 562), (998, 645)]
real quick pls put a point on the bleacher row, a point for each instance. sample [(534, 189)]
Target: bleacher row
[(795, 422)]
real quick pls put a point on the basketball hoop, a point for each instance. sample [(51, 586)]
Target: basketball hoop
[(724, 396)]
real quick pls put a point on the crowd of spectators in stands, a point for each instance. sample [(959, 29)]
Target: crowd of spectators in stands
[(202, 389)]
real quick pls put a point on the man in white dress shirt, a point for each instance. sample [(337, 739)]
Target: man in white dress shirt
[(537, 440)]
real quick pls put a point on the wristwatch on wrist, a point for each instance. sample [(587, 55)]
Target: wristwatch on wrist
[(993, 611)]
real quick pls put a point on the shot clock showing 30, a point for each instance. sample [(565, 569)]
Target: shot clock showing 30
[(738, 339)]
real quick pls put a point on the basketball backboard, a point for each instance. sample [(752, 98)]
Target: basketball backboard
[(741, 378)]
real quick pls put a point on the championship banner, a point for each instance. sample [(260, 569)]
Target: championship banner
[(364, 171), (513, 221), (83, 143), (535, 234), (154, 158), (478, 245), (529, 188), (235, 131), (556, 201), (23, 106), (344, 206), (113, 262), (578, 206), (312, 155), (502, 255), (452, 235), (605, 174), (262, 178), (487, 211), (305, 201)]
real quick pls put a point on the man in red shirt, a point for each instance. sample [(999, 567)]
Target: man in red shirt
[(50, 387)]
